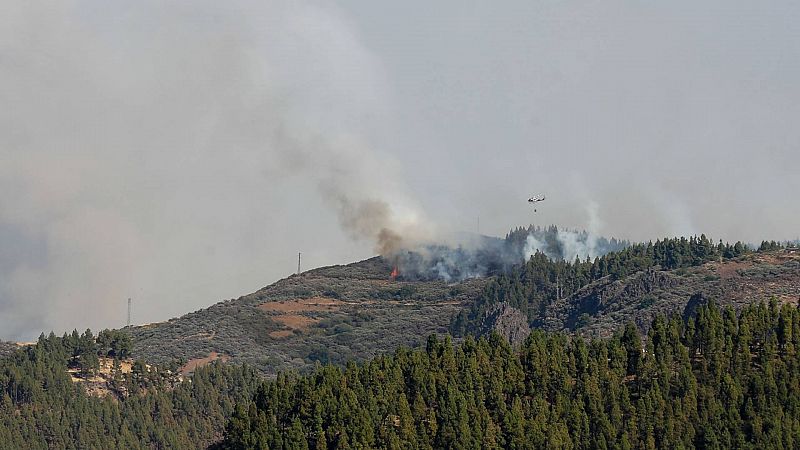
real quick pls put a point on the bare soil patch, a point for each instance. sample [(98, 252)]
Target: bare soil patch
[(730, 269), (193, 364), (107, 365), (787, 299), (280, 334), (302, 305), (295, 321), (777, 258)]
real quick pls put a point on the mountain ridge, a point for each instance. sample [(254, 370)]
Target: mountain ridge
[(330, 314), (355, 311)]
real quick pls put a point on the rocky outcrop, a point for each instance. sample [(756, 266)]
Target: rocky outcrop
[(508, 322), (695, 302), (605, 306)]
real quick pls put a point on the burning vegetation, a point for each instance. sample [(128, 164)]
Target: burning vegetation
[(471, 256)]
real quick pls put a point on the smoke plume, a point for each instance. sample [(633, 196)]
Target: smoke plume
[(183, 152), (180, 153), (461, 256)]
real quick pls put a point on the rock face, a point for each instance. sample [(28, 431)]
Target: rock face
[(605, 306), (507, 321), (693, 305)]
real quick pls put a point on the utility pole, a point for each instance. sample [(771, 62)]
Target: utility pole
[(129, 311), (298, 263)]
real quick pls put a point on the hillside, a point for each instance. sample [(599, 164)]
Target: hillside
[(69, 392), (350, 312), (332, 314), (357, 311), (721, 381), (596, 297), (7, 348), (599, 309)]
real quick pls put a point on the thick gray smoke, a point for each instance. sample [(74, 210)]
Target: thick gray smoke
[(182, 152), (455, 259)]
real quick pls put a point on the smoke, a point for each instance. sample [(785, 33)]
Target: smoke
[(460, 256), (583, 245), (376, 221), (573, 246), (675, 117), (456, 258), (181, 152), (533, 245), (567, 244)]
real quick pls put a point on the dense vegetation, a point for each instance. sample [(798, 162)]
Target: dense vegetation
[(716, 381), (531, 287), (42, 407), (553, 241)]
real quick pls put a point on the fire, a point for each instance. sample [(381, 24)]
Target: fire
[(395, 273)]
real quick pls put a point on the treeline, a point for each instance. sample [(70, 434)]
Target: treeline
[(554, 241), (533, 286), (717, 382), (774, 245), (41, 406), (83, 351)]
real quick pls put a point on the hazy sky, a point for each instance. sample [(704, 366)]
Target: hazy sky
[(181, 153)]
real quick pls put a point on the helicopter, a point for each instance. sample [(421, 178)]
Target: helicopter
[(536, 199)]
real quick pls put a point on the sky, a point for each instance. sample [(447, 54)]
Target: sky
[(182, 153)]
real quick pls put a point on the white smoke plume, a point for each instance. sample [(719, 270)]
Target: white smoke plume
[(582, 245), (567, 245), (534, 245)]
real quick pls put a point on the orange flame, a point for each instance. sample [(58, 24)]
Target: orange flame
[(395, 273)]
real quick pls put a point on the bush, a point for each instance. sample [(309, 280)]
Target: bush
[(647, 301)]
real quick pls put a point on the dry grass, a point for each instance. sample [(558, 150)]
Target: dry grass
[(193, 364), (76, 378), (107, 365), (730, 269), (98, 385), (289, 313), (295, 321), (777, 257), (280, 334), (302, 305)]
